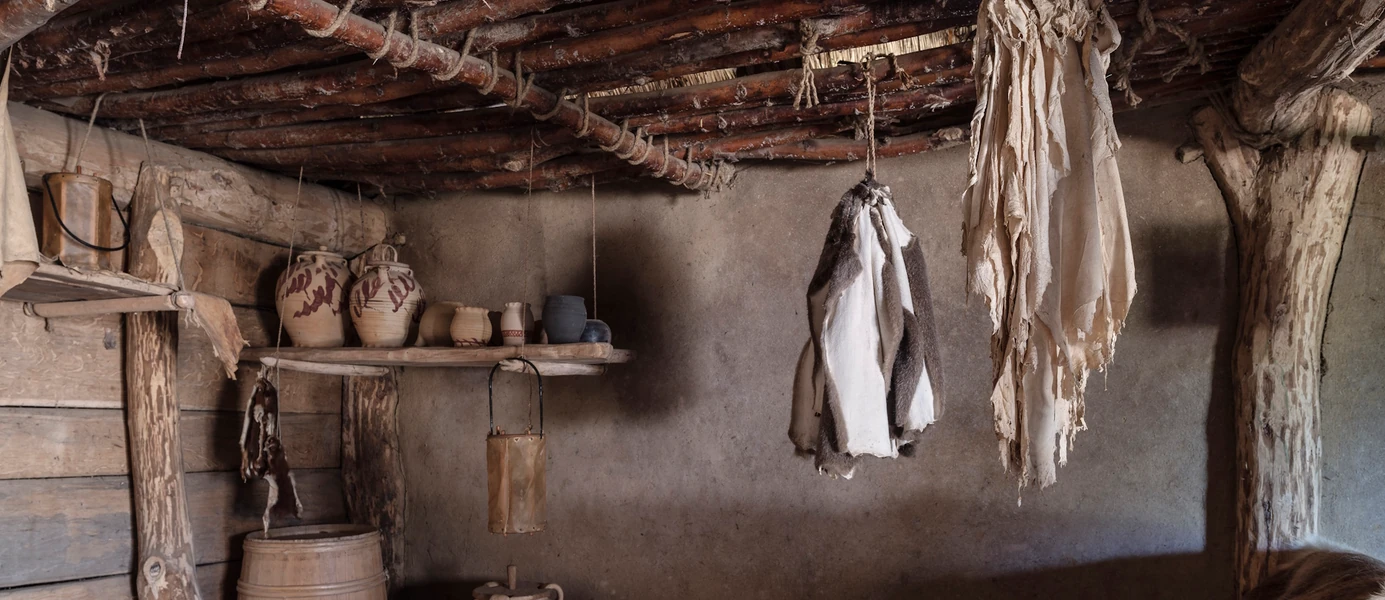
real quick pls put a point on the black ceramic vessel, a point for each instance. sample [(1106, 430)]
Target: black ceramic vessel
[(597, 332), (564, 318)]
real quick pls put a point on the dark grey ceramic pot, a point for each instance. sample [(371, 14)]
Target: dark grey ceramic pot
[(597, 332), (564, 318)]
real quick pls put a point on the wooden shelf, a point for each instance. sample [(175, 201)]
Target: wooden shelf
[(485, 356), (56, 283)]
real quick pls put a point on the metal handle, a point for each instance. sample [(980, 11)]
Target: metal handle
[(490, 393), (57, 214)]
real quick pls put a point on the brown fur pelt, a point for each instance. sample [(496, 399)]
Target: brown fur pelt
[(262, 453), (1320, 573)]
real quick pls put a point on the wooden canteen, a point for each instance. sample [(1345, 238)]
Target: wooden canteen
[(516, 471)]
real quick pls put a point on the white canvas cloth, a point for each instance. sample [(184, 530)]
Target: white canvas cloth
[(19, 253), (1045, 232)]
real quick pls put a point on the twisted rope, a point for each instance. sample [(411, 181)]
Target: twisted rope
[(586, 116), (492, 75), (336, 23), (807, 94), (413, 39), (557, 106), (663, 168), (620, 139), (1149, 27), (634, 143), (389, 38)]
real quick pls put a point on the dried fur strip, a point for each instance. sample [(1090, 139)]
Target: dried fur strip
[(1045, 231), (1322, 573), (262, 453)]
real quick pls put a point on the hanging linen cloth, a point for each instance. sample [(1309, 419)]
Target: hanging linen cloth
[(19, 254), (1045, 231), (869, 378)]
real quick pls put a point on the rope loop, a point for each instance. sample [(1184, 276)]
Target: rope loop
[(557, 106), (586, 116), (519, 82), (524, 87), (620, 139), (492, 75), (389, 38), (413, 38), (634, 143), (663, 168), (687, 169), (332, 28), (648, 146)]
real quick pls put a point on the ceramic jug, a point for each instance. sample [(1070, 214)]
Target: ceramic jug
[(385, 303), (435, 326), (516, 323), (311, 299)]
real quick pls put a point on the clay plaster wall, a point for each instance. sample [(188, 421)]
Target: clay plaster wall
[(673, 476)]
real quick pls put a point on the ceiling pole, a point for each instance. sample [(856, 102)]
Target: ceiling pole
[(19, 17), (1287, 169), (445, 64)]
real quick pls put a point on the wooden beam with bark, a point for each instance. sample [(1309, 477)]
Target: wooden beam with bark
[(1320, 43), (373, 466), (210, 192)]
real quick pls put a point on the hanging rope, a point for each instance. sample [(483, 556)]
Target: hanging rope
[(336, 23), (492, 75), (1149, 27), (293, 236), (594, 314), (96, 107), (183, 35), (586, 127), (807, 94), (870, 118), (163, 207)]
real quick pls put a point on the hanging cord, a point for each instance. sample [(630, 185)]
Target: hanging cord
[(163, 206), (586, 127), (183, 35), (96, 107), (807, 95), (870, 118), (492, 74), (594, 314), (76, 163), (1149, 27), (293, 214)]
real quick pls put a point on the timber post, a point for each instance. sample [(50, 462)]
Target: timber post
[(372, 465), (165, 565), (1285, 162)]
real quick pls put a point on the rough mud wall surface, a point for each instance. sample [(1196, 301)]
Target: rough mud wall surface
[(674, 474)]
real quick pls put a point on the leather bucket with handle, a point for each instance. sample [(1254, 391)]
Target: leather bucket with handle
[(77, 220), (516, 471)]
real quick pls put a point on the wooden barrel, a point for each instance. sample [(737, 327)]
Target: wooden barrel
[(317, 562)]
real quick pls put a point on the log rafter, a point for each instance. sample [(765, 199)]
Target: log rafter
[(447, 64)]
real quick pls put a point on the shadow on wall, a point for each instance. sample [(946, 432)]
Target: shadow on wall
[(1179, 576)]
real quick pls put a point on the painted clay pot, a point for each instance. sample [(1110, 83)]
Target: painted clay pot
[(385, 303), (596, 332), (311, 300), (516, 324), (435, 326), (564, 318), (471, 326)]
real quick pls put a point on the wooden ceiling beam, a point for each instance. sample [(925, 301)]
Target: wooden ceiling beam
[(462, 15), (397, 47), (19, 18), (1320, 43)]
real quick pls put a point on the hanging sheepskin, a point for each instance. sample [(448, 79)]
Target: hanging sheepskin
[(1045, 231), (262, 453), (19, 253), (869, 379)]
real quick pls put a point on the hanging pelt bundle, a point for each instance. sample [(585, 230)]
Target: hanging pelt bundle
[(262, 452), (1045, 232), (869, 379)]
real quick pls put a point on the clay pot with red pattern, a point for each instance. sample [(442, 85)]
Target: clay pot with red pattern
[(311, 299), (386, 303)]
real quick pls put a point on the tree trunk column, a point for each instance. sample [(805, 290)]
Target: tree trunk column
[(1289, 206), (372, 467), (166, 568)]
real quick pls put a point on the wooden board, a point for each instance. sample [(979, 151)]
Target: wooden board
[(241, 270), (74, 528), (87, 352), (56, 283), (55, 442), (488, 356), (216, 582)]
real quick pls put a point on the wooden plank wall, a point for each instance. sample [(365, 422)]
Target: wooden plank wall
[(65, 503)]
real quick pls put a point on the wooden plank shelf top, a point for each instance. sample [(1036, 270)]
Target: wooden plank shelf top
[(482, 356), (56, 283)]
